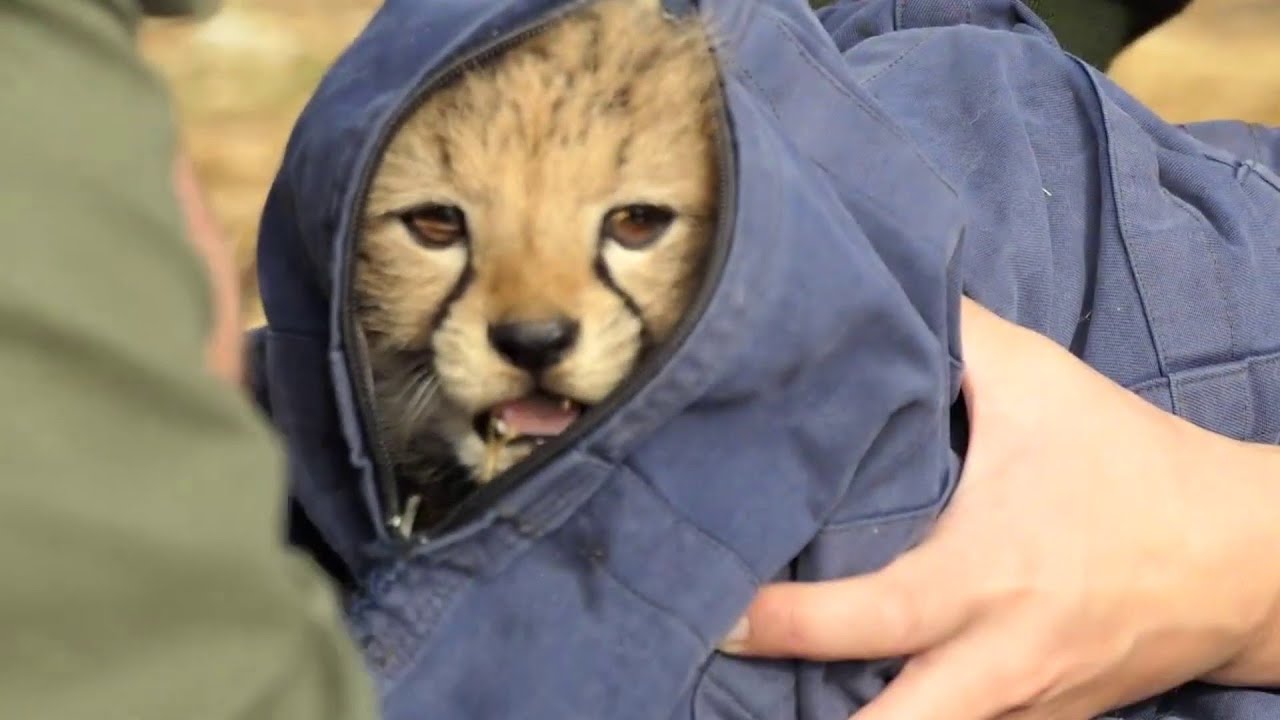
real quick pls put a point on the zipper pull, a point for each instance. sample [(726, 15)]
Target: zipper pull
[(403, 523)]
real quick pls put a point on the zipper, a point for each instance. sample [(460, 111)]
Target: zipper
[(398, 521)]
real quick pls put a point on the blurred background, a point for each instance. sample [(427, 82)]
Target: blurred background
[(241, 78)]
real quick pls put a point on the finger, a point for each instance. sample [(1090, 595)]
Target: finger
[(981, 674), (1001, 358), (897, 611), (984, 336)]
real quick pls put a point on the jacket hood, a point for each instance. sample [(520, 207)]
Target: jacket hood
[(820, 344), (809, 388)]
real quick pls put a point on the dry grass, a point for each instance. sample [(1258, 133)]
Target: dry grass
[(239, 81), (241, 78)]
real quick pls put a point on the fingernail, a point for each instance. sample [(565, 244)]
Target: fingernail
[(737, 637)]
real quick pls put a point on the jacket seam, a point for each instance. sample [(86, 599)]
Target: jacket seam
[(870, 110), (1219, 278), (684, 520), (1123, 219)]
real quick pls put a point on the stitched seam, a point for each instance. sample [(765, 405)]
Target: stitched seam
[(873, 111), (1144, 293), (1212, 371), (1123, 220), (1192, 377), (1257, 140), (1218, 275), (751, 80), (926, 36), (684, 520), (901, 11)]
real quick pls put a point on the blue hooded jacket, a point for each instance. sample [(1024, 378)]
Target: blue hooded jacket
[(883, 157)]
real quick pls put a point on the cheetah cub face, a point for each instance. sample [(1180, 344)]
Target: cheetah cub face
[(532, 229)]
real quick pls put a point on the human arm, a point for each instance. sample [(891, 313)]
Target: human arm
[(1098, 551), (140, 513)]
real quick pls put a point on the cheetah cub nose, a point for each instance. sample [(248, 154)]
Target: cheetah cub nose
[(534, 345)]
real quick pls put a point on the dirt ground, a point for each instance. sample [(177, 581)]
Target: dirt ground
[(241, 78)]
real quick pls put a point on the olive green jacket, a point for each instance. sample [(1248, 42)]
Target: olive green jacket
[(142, 572)]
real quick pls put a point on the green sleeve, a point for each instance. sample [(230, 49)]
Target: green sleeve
[(142, 571)]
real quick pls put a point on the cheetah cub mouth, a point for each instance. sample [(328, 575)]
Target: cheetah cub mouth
[(532, 230), (532, 420)]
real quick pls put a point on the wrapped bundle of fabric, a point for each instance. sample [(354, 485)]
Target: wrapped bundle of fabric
[(587, 318)]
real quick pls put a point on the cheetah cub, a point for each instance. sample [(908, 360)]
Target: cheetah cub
[(531, 230)]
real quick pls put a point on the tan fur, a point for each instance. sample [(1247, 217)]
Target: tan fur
[(611, 106)]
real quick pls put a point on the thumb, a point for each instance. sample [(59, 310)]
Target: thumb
[(899, 610)]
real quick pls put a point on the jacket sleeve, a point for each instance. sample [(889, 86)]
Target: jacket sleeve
[(141, 506)]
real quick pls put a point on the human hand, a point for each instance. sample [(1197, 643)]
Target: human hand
[(1097, 551)]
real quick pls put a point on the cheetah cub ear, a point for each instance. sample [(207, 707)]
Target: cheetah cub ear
[(533, 230)]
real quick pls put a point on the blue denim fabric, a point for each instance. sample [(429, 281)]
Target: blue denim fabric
[(888, 156)]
